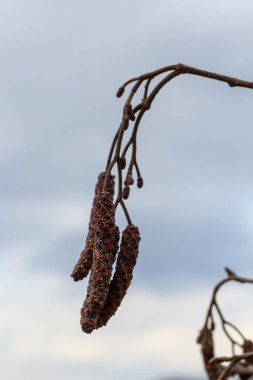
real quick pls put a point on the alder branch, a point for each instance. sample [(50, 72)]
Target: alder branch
[(102, 241), (214, 365), (231, 369), (131, 113)]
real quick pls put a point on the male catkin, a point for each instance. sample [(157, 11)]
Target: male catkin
[(84, 263), (123, 275), (106, 238)]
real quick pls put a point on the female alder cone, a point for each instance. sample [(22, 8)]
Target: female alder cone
[(123, 273), (126, 192), (84, 263), (106, 237), (140, 182)]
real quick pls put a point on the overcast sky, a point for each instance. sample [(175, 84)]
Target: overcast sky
[(61, 63)]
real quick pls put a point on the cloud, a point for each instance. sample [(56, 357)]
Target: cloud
[(151, 333), (41, 325)]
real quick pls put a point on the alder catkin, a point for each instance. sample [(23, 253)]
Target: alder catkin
[(106, 238), (205, 338), (123, 275), (84, 262), (109, 185), (248, 347)]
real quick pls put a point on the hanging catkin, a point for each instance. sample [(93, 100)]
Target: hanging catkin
[(205, 338), (123, 275), (106, 238), (84, 262)]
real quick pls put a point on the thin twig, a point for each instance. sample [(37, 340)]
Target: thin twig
[(139, 110)]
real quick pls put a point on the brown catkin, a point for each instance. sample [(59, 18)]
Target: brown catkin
[(207, 349), (123, 275), (84, 262), (109, 186), (106, 238), (248, 347)]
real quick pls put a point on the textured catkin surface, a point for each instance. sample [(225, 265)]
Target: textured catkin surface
[(106, 238), (207, 349), (84, 263), (123, 275), (109, 186)]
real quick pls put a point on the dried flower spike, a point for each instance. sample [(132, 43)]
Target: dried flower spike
[(123, 275), (106, 237), (84, 262), (248, 347), (207, 348)]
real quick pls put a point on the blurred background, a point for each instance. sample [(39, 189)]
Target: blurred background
[(61, 64)]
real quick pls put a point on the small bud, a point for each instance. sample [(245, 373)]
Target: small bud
[(229, 272), (140, 182), (122, 163), (132, 116), (130, 180), (126, 192), (126, 124), (128, 112), (120, 92)]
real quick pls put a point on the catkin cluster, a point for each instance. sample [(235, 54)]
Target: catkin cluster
[(123, 275), (104, 295), (83, 265)]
